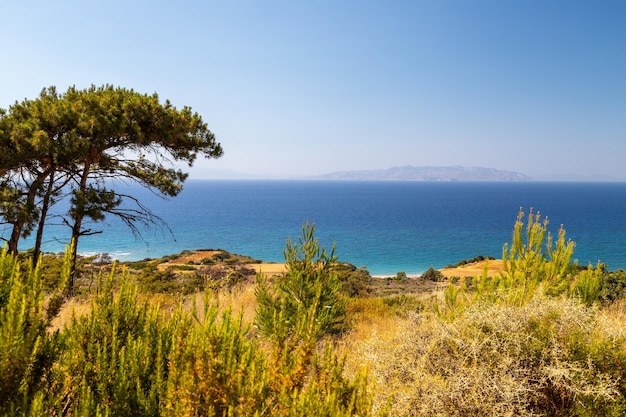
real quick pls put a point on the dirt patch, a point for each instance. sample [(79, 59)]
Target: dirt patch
[(494, 267), (269, 269), (196, 256)]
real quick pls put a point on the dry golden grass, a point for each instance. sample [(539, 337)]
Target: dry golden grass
[(612, 319), (269, 269), (239, 300), (483, 362), (493, 267), (75, 306)]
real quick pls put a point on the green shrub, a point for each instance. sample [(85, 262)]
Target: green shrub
[(403, 304), (114, 358), (139, 265), (534, 259), (27, 351), (433, 275), (613, 286), (126, 357), (534, 263), (475, 259), (587, 285), (221, 256), (309, 290), (354, 281), (167, 281), (187, 267)]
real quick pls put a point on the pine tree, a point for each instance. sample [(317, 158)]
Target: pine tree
[(308, 290)]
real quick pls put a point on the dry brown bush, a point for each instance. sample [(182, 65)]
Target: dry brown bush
[(495, 360)]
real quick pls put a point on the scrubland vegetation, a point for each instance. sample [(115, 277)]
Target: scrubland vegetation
[(543, 337)]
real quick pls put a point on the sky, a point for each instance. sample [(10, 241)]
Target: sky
[(301, 88)]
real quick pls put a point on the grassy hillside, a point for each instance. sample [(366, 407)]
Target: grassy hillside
[(204, 333)]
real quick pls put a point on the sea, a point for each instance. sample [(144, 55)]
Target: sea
[(384, 226)]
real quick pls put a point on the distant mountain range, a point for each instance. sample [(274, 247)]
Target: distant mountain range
[(412, 173)]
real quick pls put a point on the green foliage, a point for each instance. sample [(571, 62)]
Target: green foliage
[(401, 276), (354, 281), (403, 304), (475, 259), (93, 203), (27, 351), (613, 286), (309, 290), (167, 281), (534, 263), (114, 359), (221, 256), (68, 144), (51, 268), (217, 370), (527, 265), (433, 275), (22, 328), (127, 357), (214, 369), (139, 265), (305, 305), (588, 285)]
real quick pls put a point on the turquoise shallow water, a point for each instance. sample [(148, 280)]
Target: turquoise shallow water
[(386, 226)]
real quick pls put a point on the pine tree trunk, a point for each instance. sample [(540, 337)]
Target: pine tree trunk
[(45, 205), (77, 227)]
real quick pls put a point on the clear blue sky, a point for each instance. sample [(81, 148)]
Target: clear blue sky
[(296, 88)]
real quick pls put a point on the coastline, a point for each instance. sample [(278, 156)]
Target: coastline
[(388, 227), (491, 266)]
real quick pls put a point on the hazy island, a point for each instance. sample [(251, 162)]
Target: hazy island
[(427, 173)]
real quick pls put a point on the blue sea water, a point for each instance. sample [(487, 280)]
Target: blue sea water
[(387, 227)]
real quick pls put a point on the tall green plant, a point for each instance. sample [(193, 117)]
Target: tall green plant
[(115, 358), (588, 284), (529, 264), (214, 368), (27, 350), (305, 304), (525, 258), (308, 288), (534, 262), (127, 357)]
